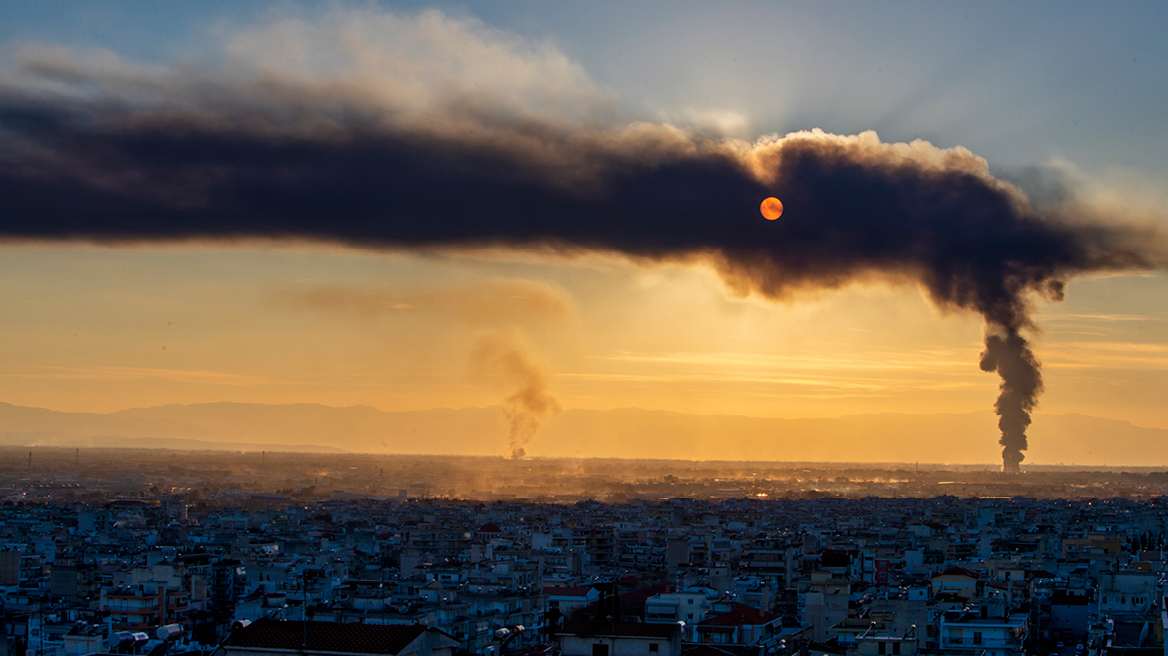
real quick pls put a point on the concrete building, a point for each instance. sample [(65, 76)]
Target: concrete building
[(619, 639)]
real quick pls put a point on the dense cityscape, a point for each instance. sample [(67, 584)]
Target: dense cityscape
[(601, 328), (170, 552)]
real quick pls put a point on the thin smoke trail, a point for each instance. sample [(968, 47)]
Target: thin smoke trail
[(507, 358)]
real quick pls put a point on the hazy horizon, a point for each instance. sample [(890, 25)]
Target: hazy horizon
[(953, 438), (499, 406)]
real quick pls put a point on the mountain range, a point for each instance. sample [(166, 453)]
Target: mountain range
[(968, 438)]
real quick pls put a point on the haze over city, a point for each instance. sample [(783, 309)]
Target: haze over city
[(540, 212)]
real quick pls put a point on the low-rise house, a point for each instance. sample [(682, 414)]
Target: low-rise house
[(619, 639), (972, 632), (741, 626), (568, 599), (955, 580)]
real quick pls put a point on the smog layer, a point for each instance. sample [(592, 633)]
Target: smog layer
[(99, 474)]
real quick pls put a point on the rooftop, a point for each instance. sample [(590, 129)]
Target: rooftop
[(333, 637), (620, 629), (741, 615)]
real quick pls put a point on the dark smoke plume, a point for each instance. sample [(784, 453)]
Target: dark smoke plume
[(118, 155), (1009, 354)]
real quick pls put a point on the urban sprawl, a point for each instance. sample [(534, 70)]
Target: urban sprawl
[(282, 554)]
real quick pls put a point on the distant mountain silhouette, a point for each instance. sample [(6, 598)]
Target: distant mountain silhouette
[(39, 427), (622, 433)]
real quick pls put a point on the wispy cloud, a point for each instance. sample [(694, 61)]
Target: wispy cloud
[(806, 378), (485, 302), (1055, 317), (925, 360), (1107, 355), (114, 373)]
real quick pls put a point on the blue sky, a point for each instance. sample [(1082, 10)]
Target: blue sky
[(1018, 83)]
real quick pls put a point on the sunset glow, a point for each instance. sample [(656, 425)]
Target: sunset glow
[(374, 205)]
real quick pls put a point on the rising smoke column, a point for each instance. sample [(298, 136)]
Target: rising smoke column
[(1008, 353), (506, 357), (113, 152)]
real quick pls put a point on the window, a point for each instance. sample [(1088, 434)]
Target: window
[(880, 647), (896, 649), (977, 637), (689, 601), (654, 648), (599, 650)]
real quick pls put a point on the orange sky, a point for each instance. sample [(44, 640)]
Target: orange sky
[(98, 329)]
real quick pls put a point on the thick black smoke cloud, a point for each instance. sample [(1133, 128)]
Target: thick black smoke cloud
[(1009, 354), (282, 160)]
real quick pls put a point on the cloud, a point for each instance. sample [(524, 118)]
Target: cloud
[(115, 373), (486, 302), (1109, 355), (871, 361), (1107, 317), (415, 66), (388, 131)]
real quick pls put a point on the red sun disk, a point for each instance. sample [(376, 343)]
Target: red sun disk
[(771, 208)]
